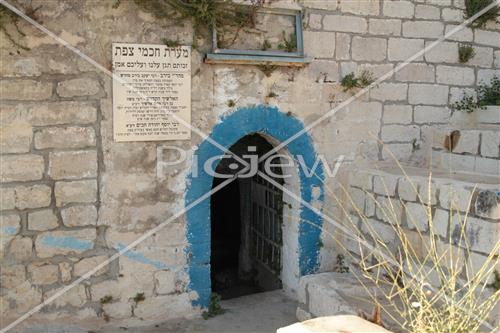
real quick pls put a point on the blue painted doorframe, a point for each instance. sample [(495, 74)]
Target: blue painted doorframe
[(270, 122)]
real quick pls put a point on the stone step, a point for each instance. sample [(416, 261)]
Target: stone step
[(467, 150)]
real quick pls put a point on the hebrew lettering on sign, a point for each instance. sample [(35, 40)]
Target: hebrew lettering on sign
[(154, 84)]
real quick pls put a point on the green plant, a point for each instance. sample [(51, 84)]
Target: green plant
[(231, 103), (465, 52), (485, 95), (106, 299), (266, 45), (349, 81), (170, 42), (139, 297), (225, 16), (365, 78), (290, 44), (272, 94), (340, 266), (267, 69), (214, 307), (474, 6), (496, 281)]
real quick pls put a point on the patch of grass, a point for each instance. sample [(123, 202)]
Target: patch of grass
[(231, 103), (474, 6), (485, 95), (465, 52), (267, 69), (214, 307), (139, 297), (106, 299), (227, 16), (350, 81), (266, 45), (272, 94), (290, 44)]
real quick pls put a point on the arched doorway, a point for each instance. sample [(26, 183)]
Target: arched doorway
[(301, 233), (246, 226)]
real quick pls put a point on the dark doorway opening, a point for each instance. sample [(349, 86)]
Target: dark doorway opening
[(246, 228)]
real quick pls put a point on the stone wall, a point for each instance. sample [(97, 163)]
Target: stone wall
[(72, 197)]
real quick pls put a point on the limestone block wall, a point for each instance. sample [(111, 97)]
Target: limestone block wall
[(72, 197)]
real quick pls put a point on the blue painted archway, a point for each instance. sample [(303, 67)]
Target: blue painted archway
[(270, 122)]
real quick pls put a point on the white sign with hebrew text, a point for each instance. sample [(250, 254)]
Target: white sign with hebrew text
[(156, 85)]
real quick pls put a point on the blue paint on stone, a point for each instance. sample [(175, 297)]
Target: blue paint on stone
[(67, 242), (10, 230), (138, 256), (271, 122)]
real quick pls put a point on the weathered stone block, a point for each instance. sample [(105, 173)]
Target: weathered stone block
[(407, 189), (84, 191), (69, 137), (21, 168), (78, 87), (21, 248), (368, 7), (319, 44), (454, 197), (165, 282), (75, 296), (497, 59), (343, 46), (486, 37), (417, 216), (403, 9), (431, 114), (16, 137), (384, 27), (49, 244), (25, 90), (431, 94), (427, 12), (390, 211), (490, 143), (315, 21), (9, 227), (402, 48), (78, 216), (441, 222), (423, 29), (481, 235), (397, 114), (463, 35), (344, 23), (452, 15), (485, 75), (151, 308), (42, 220), (12, 275), (43, 273), (33, 196), (390, 92), (87, 264), (71, 165), (427, 192), (50, 113), (400, 133), (478, 262), (442, 52), (385, 184), (468, 142), (455, 75), (416, 73), (370, 49), (486, 165), (362, 180), (7, 198), (483, 57)]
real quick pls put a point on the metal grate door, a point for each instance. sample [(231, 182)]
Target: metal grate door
[(266, 227)]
